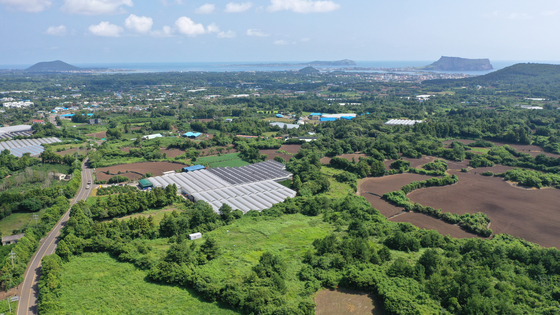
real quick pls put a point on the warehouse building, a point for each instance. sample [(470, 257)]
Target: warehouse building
[(32, 146), (402, 122), (251, 187)]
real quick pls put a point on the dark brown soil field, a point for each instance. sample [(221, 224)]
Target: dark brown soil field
[(532, 214), (533, 150), (349, 157), (385, 184), (344, 301), (386, 209), (71, 152), (416, 163), (98, 135), (429, 223), (172, 153), (156, 168), (290, 148)]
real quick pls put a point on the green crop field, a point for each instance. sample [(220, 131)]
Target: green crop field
[(218, 158), (230, 163), (95, 283)]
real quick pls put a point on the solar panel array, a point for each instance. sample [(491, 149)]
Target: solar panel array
[(10, 135), (33, 146), (252, 188)]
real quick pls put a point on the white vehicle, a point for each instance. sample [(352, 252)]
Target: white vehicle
[(87, 187)]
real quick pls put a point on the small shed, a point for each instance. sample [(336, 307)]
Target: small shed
[(193, 168), (12, 239), (195, 236), (144, 183), (279, 116)]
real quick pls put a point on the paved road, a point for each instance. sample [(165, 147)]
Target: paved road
[(30, 290)]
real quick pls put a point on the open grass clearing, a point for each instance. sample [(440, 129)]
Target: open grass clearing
[(95, 283)]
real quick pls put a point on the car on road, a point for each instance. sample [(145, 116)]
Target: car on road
[(87, 187)]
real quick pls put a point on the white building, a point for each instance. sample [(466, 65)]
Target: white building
[(18, 104)]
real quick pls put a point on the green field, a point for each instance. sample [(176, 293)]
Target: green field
[(95, 283), (337, 190), (481, 150), (16, 221), (231, 160)]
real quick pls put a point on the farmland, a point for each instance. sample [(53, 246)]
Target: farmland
[(528, 213), (344, 301), (155, 168), (231, 160), (292, 149)]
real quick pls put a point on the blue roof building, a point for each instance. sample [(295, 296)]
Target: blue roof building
[(67, 115), (347, 117), (315, 114), (193, 168), (279, 116), (192, 134), (328, 119)]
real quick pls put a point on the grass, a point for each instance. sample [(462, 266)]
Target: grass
[(231, 160), (337, 190), (482, 150), (16, 221), (95, 283), (244, 241), (156, 213), (230, 163)]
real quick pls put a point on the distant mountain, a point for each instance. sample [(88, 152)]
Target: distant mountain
[(52, 66), (459, 64), (309, 70)]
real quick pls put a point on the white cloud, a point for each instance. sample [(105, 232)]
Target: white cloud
[(303, 40), (206, 8), (238, 7), (165, 3), (56, 30), (520, 16), (165, 32), (139, 24), (257, 33), (27, 5), (106, 29), (281, 42), (187, 27), (94, 7), (213, 28), (228, 34), (303, 6)]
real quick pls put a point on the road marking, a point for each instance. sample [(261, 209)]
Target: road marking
[(28, 298)]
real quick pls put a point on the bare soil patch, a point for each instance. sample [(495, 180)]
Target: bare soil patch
[(533, 150), (290, 148), (156, 168), (387, 209), (416, 163), (530, 214), (385, 184), (427, 222), (71, 152), (349, 157), (99, 135), (345, 301)]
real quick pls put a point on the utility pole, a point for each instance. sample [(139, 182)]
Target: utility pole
[(35, 217), (12, 256), (9, 305)]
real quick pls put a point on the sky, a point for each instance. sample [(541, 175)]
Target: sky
[(133, 31)]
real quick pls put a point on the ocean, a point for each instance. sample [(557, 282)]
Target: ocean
[(251, 66)]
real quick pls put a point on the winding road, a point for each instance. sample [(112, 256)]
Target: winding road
[(30, 291)]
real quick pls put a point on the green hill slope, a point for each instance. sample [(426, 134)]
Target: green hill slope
[(52, 66)]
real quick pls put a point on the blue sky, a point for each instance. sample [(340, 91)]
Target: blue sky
[(128, 31)]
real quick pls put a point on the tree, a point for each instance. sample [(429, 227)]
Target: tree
[(210, 248), (297, 183), (377, 168), (225, 213)]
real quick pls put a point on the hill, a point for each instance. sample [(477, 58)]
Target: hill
[(459, 64), (309, 70), (344, 62), (52, 66), (523, 79)]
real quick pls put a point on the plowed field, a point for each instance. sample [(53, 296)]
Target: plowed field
[(429, 223), (290, 148), (349, 157), (532, 214), (344, 301), (156, 168)]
